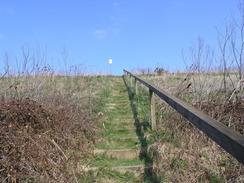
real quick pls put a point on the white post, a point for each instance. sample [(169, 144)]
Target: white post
[(110, 61)]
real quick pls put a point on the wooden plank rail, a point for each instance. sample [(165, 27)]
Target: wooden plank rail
[(227, 138)]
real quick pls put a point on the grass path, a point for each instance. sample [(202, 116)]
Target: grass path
[(121, 155)]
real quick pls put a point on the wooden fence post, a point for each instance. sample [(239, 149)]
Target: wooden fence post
[(136, 83), (152, 111)]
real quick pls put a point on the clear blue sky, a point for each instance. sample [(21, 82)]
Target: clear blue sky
[(134, 33)]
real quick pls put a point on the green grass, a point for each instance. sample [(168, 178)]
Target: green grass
[(179, 164), (116, 125), (215, 178), (120, 109), (121, 133), (117, 144), (110, 144)]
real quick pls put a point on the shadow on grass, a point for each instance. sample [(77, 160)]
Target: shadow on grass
[(141, 126)]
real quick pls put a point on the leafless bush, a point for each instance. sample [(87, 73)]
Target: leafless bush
[(47, 123), (143, 71), (42, 131), (36, 141)]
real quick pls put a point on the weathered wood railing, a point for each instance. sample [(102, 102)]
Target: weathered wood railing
[(227, 138)]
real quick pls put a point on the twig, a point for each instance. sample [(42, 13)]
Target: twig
[(65, 158), (6, 72), (237, 87), (59, 149), (74, 174)]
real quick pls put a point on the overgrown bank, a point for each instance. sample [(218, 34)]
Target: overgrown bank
[(183, 153), (47, 124)]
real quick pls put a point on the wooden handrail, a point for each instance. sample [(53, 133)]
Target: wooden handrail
[(227, 138)]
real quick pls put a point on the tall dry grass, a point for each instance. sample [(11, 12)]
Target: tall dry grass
[(186, 154)]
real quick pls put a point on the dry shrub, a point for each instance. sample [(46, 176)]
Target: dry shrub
[(35, 140), (47, 126), (190, 156), (229, 113), (174, 164)]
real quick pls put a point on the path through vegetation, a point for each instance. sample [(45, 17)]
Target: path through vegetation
[(121, 155)]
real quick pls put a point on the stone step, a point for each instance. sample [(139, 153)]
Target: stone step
[(121, 133), (120, 100), (137, 170), (123, 117), (115, 125), (136, 130), (131, 138), (128, 142), (121, 143), (117, 106), (124, 120), (127, 129), (112, 110), (115, 113), (123, 153)]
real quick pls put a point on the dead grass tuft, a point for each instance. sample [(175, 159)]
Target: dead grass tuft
[(229, 113), (173, 164)]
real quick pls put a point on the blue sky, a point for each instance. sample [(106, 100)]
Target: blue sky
[(134, 33)]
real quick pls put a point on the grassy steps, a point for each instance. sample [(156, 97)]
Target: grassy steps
[(121, 143), (124, 142)]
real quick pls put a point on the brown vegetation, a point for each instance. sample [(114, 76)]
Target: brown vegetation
[(47, 124), (185, 154)]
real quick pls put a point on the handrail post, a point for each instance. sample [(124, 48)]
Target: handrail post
[(136, 85), (152, 111)]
